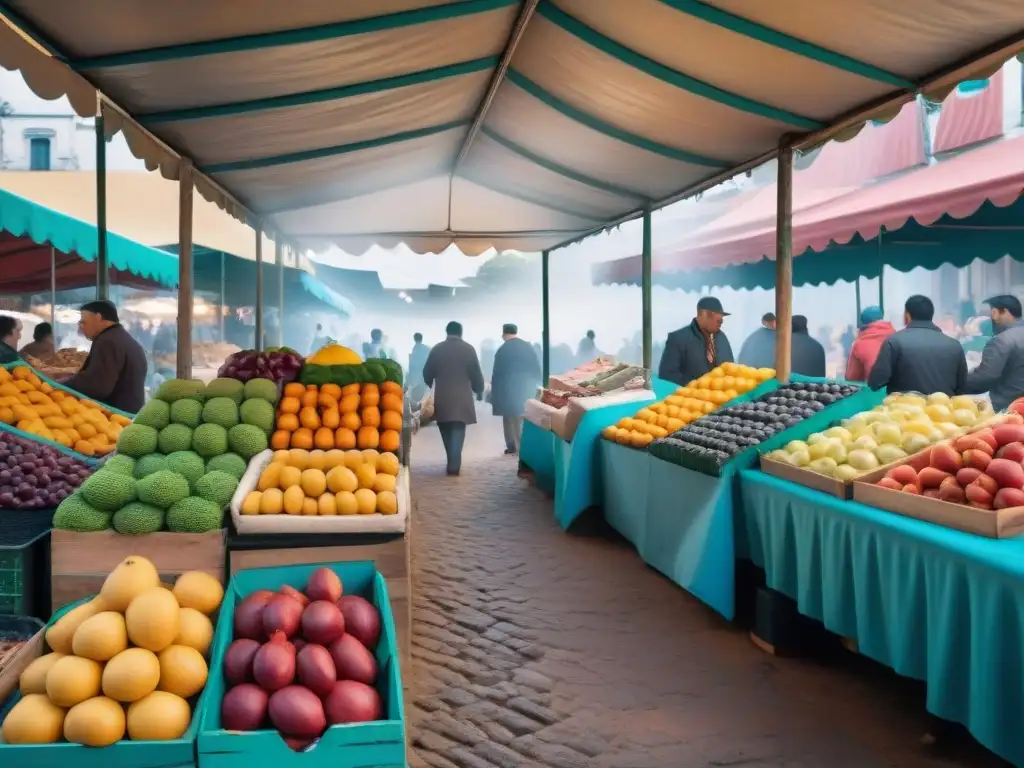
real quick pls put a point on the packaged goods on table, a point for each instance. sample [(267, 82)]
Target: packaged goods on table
[(63, 362), (904, 424), (179, 461), (40, 409), (128, 664), (541, 414), (698, 398), (706, 444)]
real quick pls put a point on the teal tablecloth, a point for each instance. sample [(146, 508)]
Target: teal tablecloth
[(537, 451), (930, 602), (625, 478)]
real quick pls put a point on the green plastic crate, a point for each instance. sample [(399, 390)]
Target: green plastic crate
[(25, 563), (380, 744), (177, 753)]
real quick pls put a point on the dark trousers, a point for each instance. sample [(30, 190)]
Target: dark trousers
[(453, 435)]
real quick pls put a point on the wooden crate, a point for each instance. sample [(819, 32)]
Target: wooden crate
[(391, 558), (807, 478), (79, 562)]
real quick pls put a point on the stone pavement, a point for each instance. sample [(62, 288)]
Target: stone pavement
[(533, 647)]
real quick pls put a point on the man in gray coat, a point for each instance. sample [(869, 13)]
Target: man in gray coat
[(453, 370), (514, 381), (1001, 372)]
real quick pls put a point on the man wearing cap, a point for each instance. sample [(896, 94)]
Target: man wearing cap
[(114, 373), (701, 346), (758, 351), (1001, 372), (807, 355), (874, 329), (515, 380)]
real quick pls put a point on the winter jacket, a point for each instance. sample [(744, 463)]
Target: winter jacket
[(865, 349), (807, 355), (685, 357), (453, 370), (758, 351), (1001, 372), (515, 378), (920, 358), (114, 372)]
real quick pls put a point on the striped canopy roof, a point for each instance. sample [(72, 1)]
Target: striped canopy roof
[(504, 123)]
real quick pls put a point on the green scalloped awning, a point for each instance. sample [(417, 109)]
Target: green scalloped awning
[(24, 219)]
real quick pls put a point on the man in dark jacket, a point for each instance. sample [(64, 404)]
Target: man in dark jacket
[(920, 358), (455, 369), (696, 349), (1001, 372), (114, 373), (758, 351), (807, 354), (514, 381), (10, 337)]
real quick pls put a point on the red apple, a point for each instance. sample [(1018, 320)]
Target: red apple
[(904, 474), (946, 458), (1017, 406), (1011, 451), (986, 436), (930, 477), (1008, 433), (891, 483), (967, 475), (988, 484), (977, 459), (912, 489), (1009, 474), (1013, 418), (977, 494), (952, 492), (967, 442), (1007, 498)]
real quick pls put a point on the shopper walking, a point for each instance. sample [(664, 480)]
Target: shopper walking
[(514, 381), (1001, 372), (701, 346), (874, 330), (920, 358), (453, 370)]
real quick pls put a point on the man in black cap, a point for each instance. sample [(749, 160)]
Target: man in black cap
[(758, 351), (453, 370), (1001, 372), (806, 353), (701, 346), (515, 380), (114, 373)]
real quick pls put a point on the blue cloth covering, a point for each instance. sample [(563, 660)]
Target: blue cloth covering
[(625, 477), (537, 451), (930, 602)]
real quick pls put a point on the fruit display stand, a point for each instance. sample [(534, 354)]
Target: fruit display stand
[(79, 562), (931, 602), (380, 743), (682, 522)]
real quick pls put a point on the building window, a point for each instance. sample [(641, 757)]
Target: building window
[(39, 154)]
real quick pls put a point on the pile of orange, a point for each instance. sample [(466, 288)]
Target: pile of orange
[(357, 416), (30, 404), (687, 404)]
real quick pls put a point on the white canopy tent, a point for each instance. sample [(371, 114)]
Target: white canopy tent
[(519, 124)]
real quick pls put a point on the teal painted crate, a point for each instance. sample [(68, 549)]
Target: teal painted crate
[(360, 745), (179, 753)]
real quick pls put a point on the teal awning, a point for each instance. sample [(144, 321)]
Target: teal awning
[(30, 229)]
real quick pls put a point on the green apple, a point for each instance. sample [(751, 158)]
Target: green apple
[(888, 433), (862, 459), (796, 445), (837, 451), (938, 398), (817, 437), (799, 458), (914, 442), (825, 466), (846, 473), (887, 453), (865, 442)]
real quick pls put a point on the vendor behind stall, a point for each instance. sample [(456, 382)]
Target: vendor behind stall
[(698, 347), (41, 346), (10, 335), (114, 373)]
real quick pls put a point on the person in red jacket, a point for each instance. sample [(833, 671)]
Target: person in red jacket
[(864, 351)]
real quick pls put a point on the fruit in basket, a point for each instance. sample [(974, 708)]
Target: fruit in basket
[(1009, 474), (108, 491), (244, 708), (231, 463), (160, 716), (33, 678), (362, 620), (217, 487), (137, 440), (72, 680), (152, 619), (173, 390), (322, 622), (222, 411), (247, 440), (183, 670), (273, 666), (123, 465), (173, 438), (76, 514), (226, 387), (283, 613), (258, 413), (131, 675), (188, 464), (100, 637), (352, 702), (297, 711), (194, 514), (1006, 498), (162, 489), (353, 660), (187, 412), (249, 615), (198, 590), (238, 659), (33, 720), (96, 722), (209, 440), (314, 668), (324, 584)]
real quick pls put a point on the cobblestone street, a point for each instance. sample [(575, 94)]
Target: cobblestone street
[(532, 647)]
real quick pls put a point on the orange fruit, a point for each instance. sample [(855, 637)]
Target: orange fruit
[(344, 439), (368, 437), (351, 389), (370, 417), (287, 421), (302, 438), (293, 389), (390, 440), (390, 388), (280, 439), (309, 398), (393, 420), (330, 418), (308, 418), (324, 439), (331, 389), (349, 403), (390, 402), (290, 405), (351, 421)]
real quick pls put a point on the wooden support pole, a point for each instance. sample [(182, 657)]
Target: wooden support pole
[(221, 305), (186, 294), (784, 266), (645, 292), (258, 345), (279, 257), (53, 294), (102, 270), (545, 318)]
